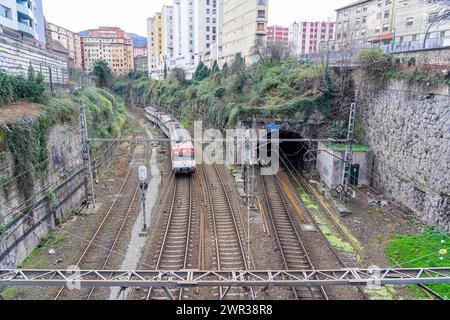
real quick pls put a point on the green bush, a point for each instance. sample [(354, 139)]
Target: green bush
[(283, 89), (13, 88), (374, 62), (105, 117)]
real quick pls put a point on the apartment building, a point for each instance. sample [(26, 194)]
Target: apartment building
[(184, 35), (206, 28), (140, 54), (158, 38), (306, 38), (141, 63), (388, 23), (110, 44), (244, 26), (151, 46), (140, 51), (366, 21), (157, 47), (277, 35), (23, 19), (167, 37), (415, 18), (58, 36)]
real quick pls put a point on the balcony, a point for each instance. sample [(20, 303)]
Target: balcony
[(24, 8), (25, 28)]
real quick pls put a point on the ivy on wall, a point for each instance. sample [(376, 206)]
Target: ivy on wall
[(27, 138)]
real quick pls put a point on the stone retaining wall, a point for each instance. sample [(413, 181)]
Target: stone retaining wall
[(408, 128)]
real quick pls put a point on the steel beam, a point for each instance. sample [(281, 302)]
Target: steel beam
[(215, 140), (189, 279)]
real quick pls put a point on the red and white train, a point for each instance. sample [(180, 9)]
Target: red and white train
[(181, 144)]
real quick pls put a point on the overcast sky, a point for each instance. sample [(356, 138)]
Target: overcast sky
[(131, 15)]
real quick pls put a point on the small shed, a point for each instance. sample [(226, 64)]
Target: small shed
[(330, 164)]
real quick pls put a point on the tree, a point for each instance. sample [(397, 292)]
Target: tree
[(215, 68), (202, 72), (103, 74), (238, 63), (166, 71), (225, 70), (441, 15), (178, 74), (36, 88), (273, 54)]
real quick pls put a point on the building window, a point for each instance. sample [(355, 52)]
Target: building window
[(433, 16), (409, 22), (5, 12)]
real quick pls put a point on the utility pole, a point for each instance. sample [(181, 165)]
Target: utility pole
[(90, 196), (348, 155)]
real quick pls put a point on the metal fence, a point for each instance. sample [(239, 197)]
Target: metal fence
[(348, 51)]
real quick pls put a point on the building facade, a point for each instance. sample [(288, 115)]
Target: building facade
[(244, 26), (167, 60), (151, 58), (141, 58), (57, 36), (23, 19), (140, 51), (194, 31), (110, 44), (389, 23), (306, 38), (206, 28), (415, 19), (277, 35), (141, 64), (184, 16)]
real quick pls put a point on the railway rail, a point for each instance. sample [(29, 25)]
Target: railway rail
[(292, 249), (346, 259), (103, 244), (226, 226), (174, 251)]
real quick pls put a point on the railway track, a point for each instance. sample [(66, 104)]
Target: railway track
[(226, 228), (103, 245), (175, 244), (290, 244)]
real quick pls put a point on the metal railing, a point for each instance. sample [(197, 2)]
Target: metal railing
[(341, 50)]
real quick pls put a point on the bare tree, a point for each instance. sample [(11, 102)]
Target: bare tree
[(440, 16), (273, 53), (178, 74)]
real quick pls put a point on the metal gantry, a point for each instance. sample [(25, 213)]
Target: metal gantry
[(190, 278)]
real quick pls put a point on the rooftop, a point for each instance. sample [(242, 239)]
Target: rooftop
[(353, 4)]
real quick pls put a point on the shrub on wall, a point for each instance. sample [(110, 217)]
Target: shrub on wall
[(105, 117), (374, 62), (32, 88)]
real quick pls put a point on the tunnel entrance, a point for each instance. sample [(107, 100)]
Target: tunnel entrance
[(293, 153)]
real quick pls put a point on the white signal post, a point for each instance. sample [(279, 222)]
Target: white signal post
[(143, 175)]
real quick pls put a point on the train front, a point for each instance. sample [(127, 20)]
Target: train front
[(183, 160)]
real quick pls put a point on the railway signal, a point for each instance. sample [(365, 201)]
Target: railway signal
[(143, 185)]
